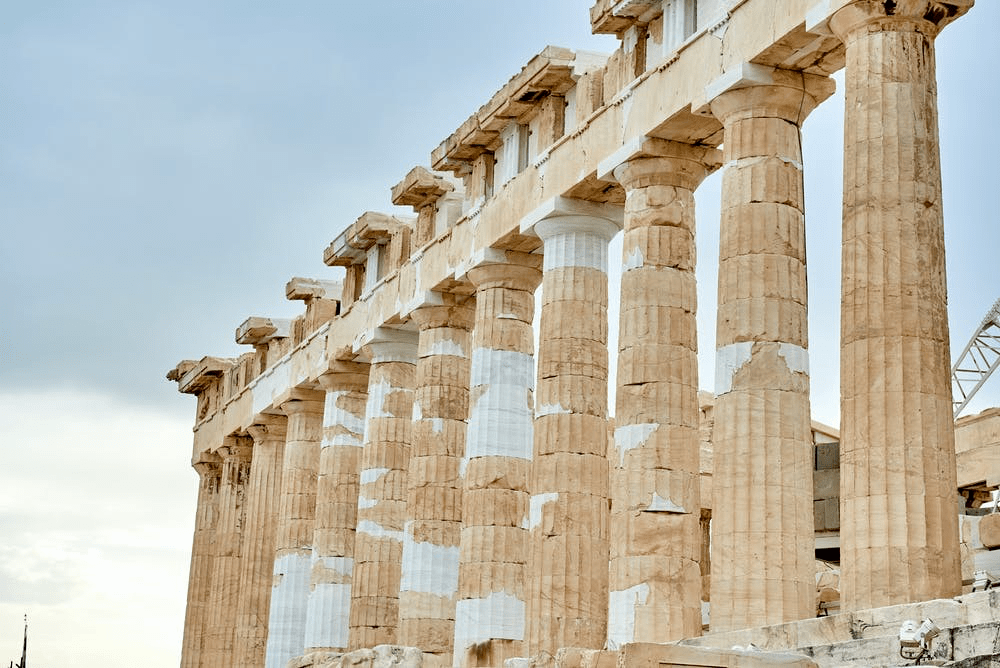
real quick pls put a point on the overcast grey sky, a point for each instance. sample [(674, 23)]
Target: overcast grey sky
[(165, 167)]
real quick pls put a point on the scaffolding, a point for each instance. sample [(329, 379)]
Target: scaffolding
[(979, 359)]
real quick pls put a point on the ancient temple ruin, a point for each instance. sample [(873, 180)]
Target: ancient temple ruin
[(400, 475)]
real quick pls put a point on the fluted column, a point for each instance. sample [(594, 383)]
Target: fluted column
[(259, 534), (762, 524), (328, 616), (235, 453), (898, 526), (296, 514), (378, 551), (490, 612), (433, 526), (656, 542), (202, 554), (568, 513)]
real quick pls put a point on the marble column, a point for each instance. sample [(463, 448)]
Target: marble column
[(259, 535), (899, 525), (328, 615), (378, 550), (762, 524), (433, 526), (235, 454), (296, 514), (656, 541), (202, 554), (568, 515), (490, 611)]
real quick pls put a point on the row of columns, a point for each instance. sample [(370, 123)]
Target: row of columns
[(431, 499)]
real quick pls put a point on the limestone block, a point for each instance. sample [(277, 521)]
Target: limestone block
[(827, 456), (649, 655), (989, 531)]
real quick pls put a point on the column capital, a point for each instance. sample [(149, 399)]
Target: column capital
[(303, 401), (385, 344), (239, 448), (489, 256), (457, 315), (510, 276), (258, 330), (268, 428), (749, 90), (208, 464), (651, 160), (925, 16), (573, 215), (344, 375)]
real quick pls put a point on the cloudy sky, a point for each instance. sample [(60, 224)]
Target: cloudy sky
[(165, 167)]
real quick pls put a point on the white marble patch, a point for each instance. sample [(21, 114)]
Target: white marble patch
[(621, 614), (428, 568), (728, 360), (378, 531), (631, 436), (499, 615), (289, 602), (796, 357), (535, 505), (447, 347), (371, 475)]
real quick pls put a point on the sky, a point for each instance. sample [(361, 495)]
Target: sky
[(165, 168)]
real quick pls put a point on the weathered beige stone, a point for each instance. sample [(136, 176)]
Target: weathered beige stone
[(655, 579), (374, 616), (989, 531), (489, 614), (296, 513), (688, 76), (898, 519), (222, 604), (432, 533), (977, 450), (202, 556), (259, 536), (762, 557), (337, 488), (567, 581), (649, 655)]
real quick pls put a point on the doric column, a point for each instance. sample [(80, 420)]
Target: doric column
[(490, 613), (655, 576), (296, 512), (898, 519), (568, 514), (202, 554), (259, 534), (235, 454), (346, 386), (378, 551), (433, 526), (762, 524)]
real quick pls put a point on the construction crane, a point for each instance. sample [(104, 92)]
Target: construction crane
[(979, 359)]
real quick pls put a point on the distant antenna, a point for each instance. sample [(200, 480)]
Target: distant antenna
[(980, 358), (24, 649)]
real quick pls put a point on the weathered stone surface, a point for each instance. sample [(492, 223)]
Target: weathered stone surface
[(762, 557), (528, 477), (898, 520)]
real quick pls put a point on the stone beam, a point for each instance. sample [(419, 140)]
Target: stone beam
[(202, 374), (657, 104), (259, 330), (307, 289)]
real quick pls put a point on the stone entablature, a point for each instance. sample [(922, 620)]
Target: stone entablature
[(656, 103), (528, 191)]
